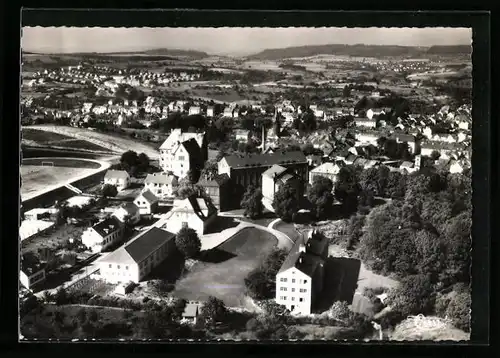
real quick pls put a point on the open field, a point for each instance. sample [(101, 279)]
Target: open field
[(38, 179), (223, 269), (110, 142), (41, 136), (56, 140)]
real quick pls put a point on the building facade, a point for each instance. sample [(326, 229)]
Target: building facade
[(118, 178), (161, 184), (103, 234)]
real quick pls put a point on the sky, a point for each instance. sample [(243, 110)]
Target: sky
[(228, 41)]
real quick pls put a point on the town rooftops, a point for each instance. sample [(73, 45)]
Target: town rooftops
[(329, 168), (237, 161), (403, 137), (107, 226), (161, 178), (141, 246), (365, 120), (116, 174), (442, 145), (274, 171), (149, 196)]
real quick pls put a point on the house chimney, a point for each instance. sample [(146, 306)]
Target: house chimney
[(300, 260), (302, 248)]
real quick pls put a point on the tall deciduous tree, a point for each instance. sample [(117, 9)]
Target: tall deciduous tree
[(213, 310), (188, 242), (286, 203), (252, 202), (321, 197)]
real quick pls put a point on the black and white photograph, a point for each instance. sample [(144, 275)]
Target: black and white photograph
[(245, 184)]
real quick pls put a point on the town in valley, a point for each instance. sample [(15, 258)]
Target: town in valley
[(307, 192)]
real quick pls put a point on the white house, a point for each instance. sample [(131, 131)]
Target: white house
[(299, 281), (133, 261), (161, 184), (128, 212), (32, 271), (103, 234), (365, 122), (367, 137), (241, 135), (328, 170), (210, 111), (193, 110), (273, 178), (118, 178), (147, 203), (196, 213), (173, 159), (191, 312)]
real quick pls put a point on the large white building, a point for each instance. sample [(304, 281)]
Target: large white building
[(182, 151), (135, 260), (299, 281), (328, 170), (118, 178)]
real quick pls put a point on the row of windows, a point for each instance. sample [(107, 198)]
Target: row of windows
[(284, 279), (302, 290), (118, 266), (284, 298)]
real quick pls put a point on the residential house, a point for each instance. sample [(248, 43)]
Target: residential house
[(118, 178), (445, 150), (128, 213), (191, 312), (241, 135), (228, 112), (194, 110), (407, 167), (133, 261), (274, 178), (367, 137), (328, 170), (41, 213), (32, 270), (103, 234), (314, 160), (210, 112), (161, 184), (413, 143), (170, 152), (365, 122), (246, 170), (147, 203), (219, 190), (197, 213), (300, 280)]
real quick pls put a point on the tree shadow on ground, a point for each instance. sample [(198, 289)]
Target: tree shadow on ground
[(222, 223), (169, 270), (215, 256), (341, 282)]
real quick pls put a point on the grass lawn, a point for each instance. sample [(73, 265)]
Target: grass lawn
[(42, 136), (223, 269), (41, 324), (63, 162), (80, 144)]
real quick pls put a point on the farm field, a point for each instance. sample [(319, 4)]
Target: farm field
[(224, 268)]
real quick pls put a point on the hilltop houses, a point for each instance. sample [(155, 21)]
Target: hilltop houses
[(300, 279)]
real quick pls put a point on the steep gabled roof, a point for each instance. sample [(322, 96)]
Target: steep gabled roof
[(327, 168), (148, 242), (161, 178), (149, 196), (266, 159), (107, 226), (274, 171)]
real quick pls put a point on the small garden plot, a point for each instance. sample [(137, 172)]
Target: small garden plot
[(55, 238)]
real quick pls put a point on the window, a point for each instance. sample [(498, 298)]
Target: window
[(283, 279), (293, 289), (305, 281), (110, 266), (118, 266), (184, 224), (284, 298), (293, 298), (303, 290), (301, 299), (181, 157), (126, 267), (293, 280)]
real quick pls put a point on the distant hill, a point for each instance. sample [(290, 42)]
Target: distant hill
[(356, 51), (450, 50), (154, 52), (176, 53)]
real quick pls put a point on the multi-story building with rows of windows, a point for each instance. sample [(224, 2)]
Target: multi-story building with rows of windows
[(299, 281), (135, 260)]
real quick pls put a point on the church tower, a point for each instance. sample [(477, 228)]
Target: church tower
[(276, 123)]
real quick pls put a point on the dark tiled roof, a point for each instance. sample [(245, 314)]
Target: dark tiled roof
[(192, 148), (267, 159), (305, 262), (149, 196), (274, 170), (145, 244), (107, 226), (317, 244), (161, 178), (130, 207), (218, 180)]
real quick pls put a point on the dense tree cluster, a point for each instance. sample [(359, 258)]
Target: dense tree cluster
[(187, 242), (133, 163), (321, 197), (252, 202), (286, 203), (261, 283)]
